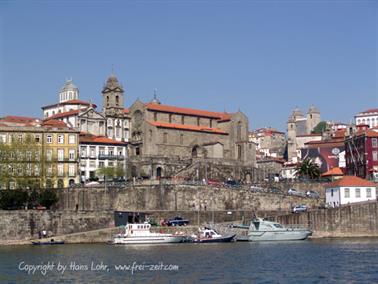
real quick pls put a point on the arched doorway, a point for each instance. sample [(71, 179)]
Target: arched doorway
[(158, 172), (195, 151), (71, 182)]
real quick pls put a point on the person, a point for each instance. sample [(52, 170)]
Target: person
[(44, 233)]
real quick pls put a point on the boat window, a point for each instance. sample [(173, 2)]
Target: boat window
[(277, 226)]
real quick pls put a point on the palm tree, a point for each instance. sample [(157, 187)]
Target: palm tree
[(308, 169)]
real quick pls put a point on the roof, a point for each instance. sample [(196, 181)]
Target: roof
[(126, 110), (54, 123), (92, 139), (333, 172), (222, 116), (352, 181), (371, 110), (326, 143), (367, 133), (69, 86), (71, 102), (187, 127), (64, 114), (12, 120), (268, 131), (310, 135)]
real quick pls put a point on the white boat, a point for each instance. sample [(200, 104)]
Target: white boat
[(140, 234), (263, 230), (208, 235)]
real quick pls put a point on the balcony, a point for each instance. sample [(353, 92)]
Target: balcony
[(110, 157)]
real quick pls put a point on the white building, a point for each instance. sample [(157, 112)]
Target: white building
[(98, 152), (368, 117), (350, 189)]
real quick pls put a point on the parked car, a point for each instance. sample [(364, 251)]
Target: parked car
[(214, 182), (256, 188), (295, 192), (177, 221), (312, 194), (232, 183), (300, 208)]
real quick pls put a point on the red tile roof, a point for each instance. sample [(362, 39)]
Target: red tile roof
[(351, 181), (12, 120), (222, 116), (187, 127), (54, 123), (126, 110), (327, 143), (65, 114), (89, 138), (333, 172), (370, 110), (71, 102)]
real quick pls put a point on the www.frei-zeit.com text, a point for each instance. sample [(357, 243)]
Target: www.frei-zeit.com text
[(134, 267)]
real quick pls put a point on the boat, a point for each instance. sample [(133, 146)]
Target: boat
[(48, 242), (140, 234), (208, 235), (263, 230)]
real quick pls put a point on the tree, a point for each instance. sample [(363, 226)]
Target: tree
[(13, 199), (48, 198), (308, 169), (111, 172), (320, 128)]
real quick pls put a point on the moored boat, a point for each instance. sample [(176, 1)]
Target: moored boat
[(140, 234), (207, 235), (263, 230), (48, 242)]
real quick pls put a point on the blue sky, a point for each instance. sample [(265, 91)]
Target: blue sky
[(262, 57)]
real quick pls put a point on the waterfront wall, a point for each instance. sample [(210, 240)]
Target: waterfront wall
[(354, 220)]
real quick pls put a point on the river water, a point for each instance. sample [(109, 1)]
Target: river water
[(311, 261)]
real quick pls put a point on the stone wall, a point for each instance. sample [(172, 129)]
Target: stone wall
[(355, 220)]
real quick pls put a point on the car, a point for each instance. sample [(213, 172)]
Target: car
[(300, 208), (256, 188), (312, 194), (232, 183), (295, 192), (214, 182), (177, 221)]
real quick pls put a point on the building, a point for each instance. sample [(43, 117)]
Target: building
[(271, 167), (333, 174), (361, 153), (112, 122), (37, 153), (168, 141), (269, 142), (97, 152), (368, 117), (350, 189), (299, 130)]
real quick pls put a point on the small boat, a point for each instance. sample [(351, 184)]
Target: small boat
[(140, 234), (49, 242), (207, 235), (263, 230)]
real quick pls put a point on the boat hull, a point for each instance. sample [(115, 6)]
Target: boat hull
[(287, 235), (225, 239), (40, 243), (148, 240)]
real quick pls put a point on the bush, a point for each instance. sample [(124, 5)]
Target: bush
[(47, 198), (13, 199)]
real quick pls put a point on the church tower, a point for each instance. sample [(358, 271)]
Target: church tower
[(291, 138), (313, 118), (112, 97)]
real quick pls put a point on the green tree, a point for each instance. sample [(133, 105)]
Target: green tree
[(308, 169), (48, 198), (320, 128), (13, 199)]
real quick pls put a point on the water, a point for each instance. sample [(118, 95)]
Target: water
[(312, 261)]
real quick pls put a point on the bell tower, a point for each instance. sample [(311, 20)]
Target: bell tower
[(112, 97)]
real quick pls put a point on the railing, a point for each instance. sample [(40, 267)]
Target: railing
[(111, 157)]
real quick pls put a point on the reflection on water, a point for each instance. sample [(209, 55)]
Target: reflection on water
[(312, 261)]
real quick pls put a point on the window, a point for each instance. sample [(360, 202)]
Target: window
[(346, 193), (82, 122), (3, 138), (36, 170), (83, 151), (358, 192), (49, 154), (374, 142), (165, 137), (155, 116), (375, 155), (137, 151), (332, 192), (211, 123), (181, 139), (101, 150), (92, 152), (110, 164), (71, 170), (92, 164), (117, 101), (49, 139), (111, 151), (198, 121), (71, 154), (60, 154), (170, 118), (83, 164), (71, 139), (182, 119), (60, 169), (101, 164), (60, 139), (49, 170), (37, 138), (368, 193), (119, 150)]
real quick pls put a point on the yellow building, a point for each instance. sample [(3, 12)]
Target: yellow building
[(37, 154)]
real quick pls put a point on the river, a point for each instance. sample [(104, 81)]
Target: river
[(311, 261)]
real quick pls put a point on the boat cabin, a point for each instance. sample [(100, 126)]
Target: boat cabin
[(259, 224), (137, 229)]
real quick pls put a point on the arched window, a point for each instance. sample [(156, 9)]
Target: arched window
[(158, 172), (117, 101), (107, 100)]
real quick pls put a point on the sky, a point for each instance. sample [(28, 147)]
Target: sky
[(261, 57)]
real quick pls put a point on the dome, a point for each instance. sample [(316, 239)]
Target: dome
[(112, 84), (297, 113), (69, 86), (313, 109)]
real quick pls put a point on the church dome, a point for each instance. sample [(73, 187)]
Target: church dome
[(112, 84), (313, 109), (69, 86)]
